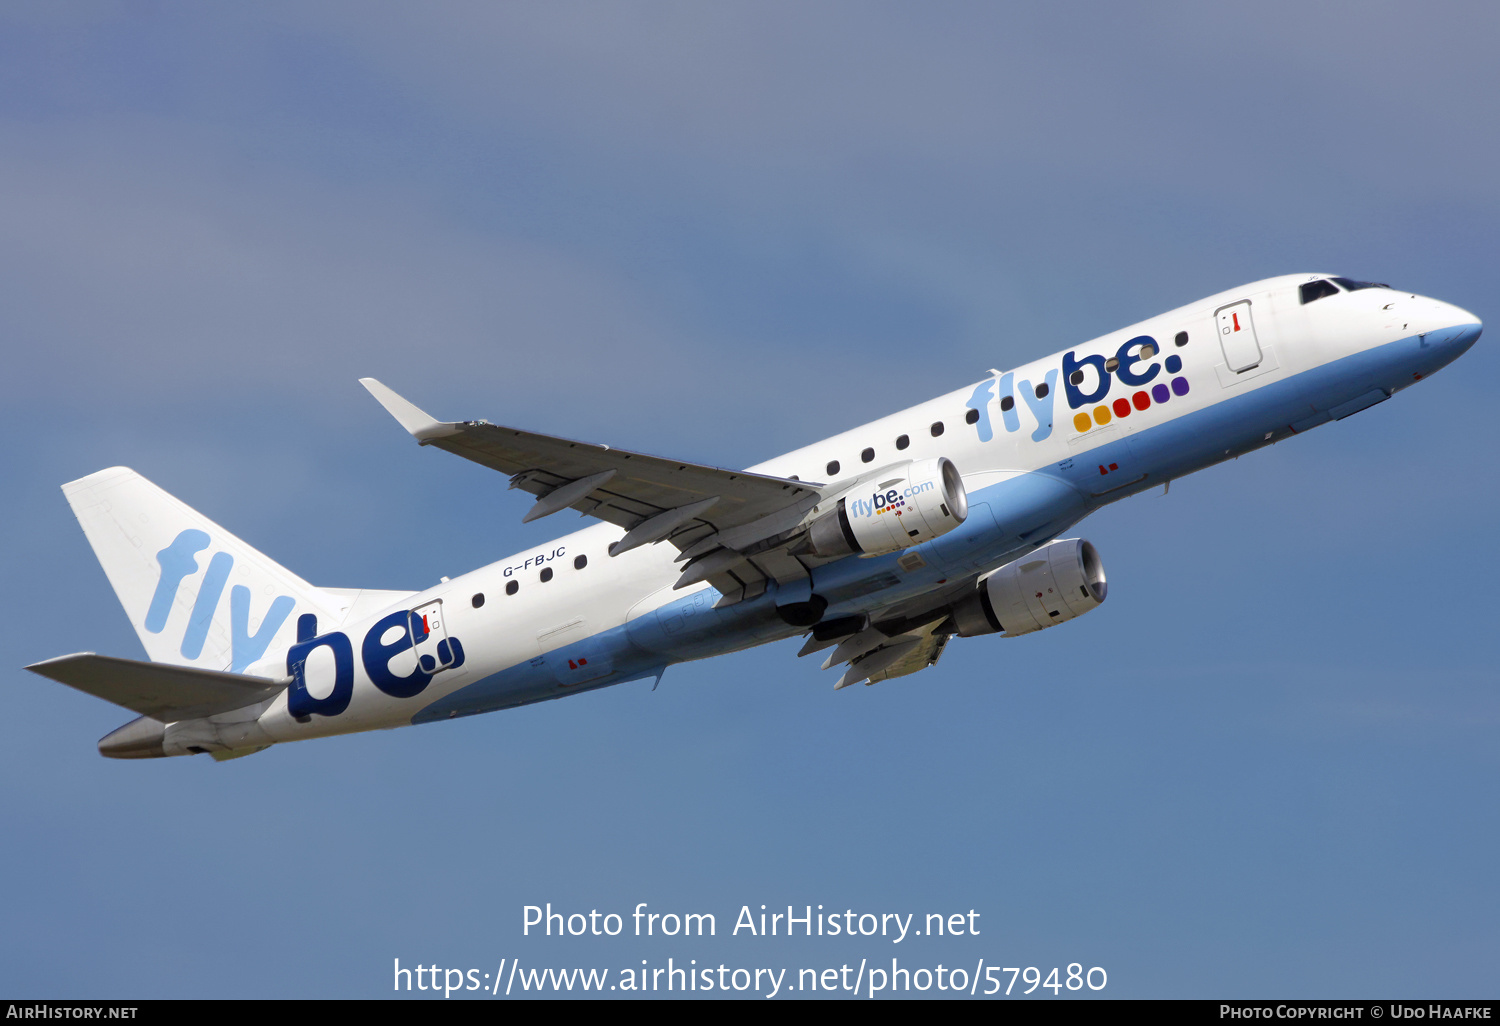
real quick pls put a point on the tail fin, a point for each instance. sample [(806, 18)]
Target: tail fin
[(195, 594)]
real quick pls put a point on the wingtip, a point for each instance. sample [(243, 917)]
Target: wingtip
[(38, 667), (418, 423)]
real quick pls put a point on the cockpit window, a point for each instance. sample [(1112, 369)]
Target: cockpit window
[(1355, 286), (1317, 290)]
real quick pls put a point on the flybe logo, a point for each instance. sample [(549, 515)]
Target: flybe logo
[(890, 501), (1085, 380), (328, 686), (1038, 397), (1089, 380), (327, 689), (875, 505), (178, 561)]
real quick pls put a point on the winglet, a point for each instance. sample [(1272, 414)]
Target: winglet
[(420, 424)]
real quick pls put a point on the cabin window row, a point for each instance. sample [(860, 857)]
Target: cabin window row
[(868, 454), (1007, 403), (511, 587)]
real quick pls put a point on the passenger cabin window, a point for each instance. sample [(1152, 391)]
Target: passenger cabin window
[(903, 441), (1181, 339), (1009, 402), (972, 417), (937, 429), (477, 600), (1076, 377), (512, 588), (1355, 286), (833, 467), (1041, 390), (1315, 290), (579, 562), (867, 456), (546, 574)]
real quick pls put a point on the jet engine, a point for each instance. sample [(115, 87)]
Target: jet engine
[(902, 506), (1057, 582)]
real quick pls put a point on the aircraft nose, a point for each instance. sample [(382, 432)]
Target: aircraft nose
[(1463, 330)]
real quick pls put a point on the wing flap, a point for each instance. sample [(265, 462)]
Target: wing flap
[(159, 690), (873, 655), (926, 653)]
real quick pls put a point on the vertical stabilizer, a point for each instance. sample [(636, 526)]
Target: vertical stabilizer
[(195, 594)]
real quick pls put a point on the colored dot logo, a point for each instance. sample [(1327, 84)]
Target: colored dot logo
[(1142, 400)]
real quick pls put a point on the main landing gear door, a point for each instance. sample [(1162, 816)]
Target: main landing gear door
[(429, 639), (1237, 337)]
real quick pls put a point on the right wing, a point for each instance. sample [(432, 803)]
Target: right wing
[(881, 651)]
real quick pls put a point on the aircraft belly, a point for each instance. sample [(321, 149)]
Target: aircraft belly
[(690, 627), (584, 664)]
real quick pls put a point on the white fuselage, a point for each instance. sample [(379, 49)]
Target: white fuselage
[(1037, 452)]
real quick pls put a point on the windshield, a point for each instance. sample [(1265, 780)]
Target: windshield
[(1355, 286), (1315, 290)]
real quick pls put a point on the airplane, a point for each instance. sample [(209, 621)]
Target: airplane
[(878, 545)]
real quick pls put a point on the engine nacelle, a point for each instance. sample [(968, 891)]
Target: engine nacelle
[(904, 506), (1057, 582)]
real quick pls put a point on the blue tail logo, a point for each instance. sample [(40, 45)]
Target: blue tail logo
[(178, 561)]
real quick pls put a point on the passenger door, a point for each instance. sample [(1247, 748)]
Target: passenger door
[(1237, 336), (430, 639)]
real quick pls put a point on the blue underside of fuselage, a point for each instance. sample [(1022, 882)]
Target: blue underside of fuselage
[(1005, 521)]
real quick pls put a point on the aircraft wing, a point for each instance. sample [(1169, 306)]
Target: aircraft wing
[(891, 648), (927, 651), (159, 690), (711, 514)]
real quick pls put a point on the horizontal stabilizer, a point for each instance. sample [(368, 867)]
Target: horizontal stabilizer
[(158, 690)]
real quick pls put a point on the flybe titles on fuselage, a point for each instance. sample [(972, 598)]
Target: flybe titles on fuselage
[(327, 687), (419, 631), (1087, 382)]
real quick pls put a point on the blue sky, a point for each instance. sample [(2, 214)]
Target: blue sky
[(1264, 767)]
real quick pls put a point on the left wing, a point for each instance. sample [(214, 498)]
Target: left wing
[(731, 526)]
